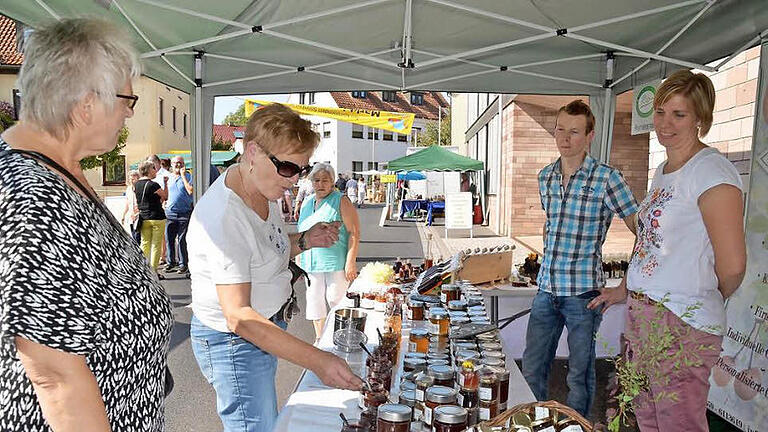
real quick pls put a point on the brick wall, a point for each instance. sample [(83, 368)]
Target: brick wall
[(529, 145), (733, 119)]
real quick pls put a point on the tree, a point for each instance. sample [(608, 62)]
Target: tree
[(97, 161), (429, 136), (218, 143), (6, 115), (236, 118)]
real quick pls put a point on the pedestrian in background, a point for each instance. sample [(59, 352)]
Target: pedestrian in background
[(341, 183), (331, 268), (85, 325), (178, 210), (149, 199), (131, 211), (352, 189), (305, 190), (361, 191)]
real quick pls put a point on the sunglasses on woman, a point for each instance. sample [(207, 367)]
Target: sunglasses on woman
[(288, 169)]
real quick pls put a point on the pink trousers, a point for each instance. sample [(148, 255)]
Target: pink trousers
[(679, 379)]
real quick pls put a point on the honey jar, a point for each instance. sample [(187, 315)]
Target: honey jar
[(418, 341), (437, 396), (443, 375), (449, 293), (488, 409), (449, 418), (415, 310), (439, 322), (393, 418), (488, 384)]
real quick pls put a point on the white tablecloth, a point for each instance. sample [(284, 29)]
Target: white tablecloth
[(313, 407)]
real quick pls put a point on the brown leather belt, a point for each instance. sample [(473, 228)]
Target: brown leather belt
[(642, 298)]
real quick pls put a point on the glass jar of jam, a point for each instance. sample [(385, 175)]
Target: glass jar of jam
[(458, 346), (568, 425), (368, 418), (459, 321), (472, 417), (423, 382), (449, 418), (467, 398), (468, 377), (449, 293), (443, 375), (437, 396), (476, 312), (413, 354), (491, 336), (407, 386), (542, 425), (407, 397), (438, 317), (393, 418), (503, 375), (464, 355), (492, 361), (415, 310), (494, 354), (490, 346), (488, 384), (457, 305), (412, 364), (488, 409), (418, 341), (457, 314), (434, 362), (437, 356), (438, 345)]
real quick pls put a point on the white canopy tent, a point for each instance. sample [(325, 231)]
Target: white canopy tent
[(587, 47)]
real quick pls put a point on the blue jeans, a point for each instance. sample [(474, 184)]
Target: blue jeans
[(548, 315), (176, 229), (241, 373)]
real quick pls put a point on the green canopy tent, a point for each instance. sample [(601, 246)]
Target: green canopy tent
[(435, 158), (218, 158)]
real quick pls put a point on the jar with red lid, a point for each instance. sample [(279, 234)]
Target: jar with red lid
[(488, 384), (443, 375), (393, 418), (449, 418), (437, 396)]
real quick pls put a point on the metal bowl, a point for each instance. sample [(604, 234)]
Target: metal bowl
[(348, 339)]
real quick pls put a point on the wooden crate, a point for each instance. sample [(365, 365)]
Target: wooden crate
[(478, 269)]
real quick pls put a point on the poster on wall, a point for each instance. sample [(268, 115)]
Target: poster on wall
[(739, 380), (642, 107)]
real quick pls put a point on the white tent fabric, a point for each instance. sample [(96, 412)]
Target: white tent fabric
[(588, 47)]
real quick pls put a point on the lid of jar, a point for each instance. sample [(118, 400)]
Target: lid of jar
[(479, 320), (408, 397), (450, 414), (415, 303), (433, 362), (487, 373), (395, 413), (438, 313), (521, 418), (420, 332), (567, 422), (434, 355), (407, 385), (440, 371), (460, 320), (467, 354), (412, 354), (415, 363), (488, 336), (490, 346), (466, 345), (540, 422), (424, 380), (450, 286), (492, 361), (441, 394), (494, 354), (457, 304), (476, 312)]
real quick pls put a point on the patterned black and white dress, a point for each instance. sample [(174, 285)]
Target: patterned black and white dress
[(70, 280)]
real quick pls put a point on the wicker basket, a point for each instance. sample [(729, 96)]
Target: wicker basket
[(562, 410)]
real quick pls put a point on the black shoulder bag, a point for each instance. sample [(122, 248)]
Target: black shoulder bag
[(168, 385)]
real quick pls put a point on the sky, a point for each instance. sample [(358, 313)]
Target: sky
[(224, 105)]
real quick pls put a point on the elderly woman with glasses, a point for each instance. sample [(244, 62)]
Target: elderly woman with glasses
[(239, 253), (332, 268), (85, 324)]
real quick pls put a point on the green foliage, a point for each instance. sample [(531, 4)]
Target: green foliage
[(96, 161), (236, 118), (429, 136), (654, 342)]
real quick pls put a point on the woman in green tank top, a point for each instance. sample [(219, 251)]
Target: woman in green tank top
[(330, 269)]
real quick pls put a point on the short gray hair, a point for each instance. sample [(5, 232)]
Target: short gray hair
[(68, 59), (322, 167), (145, 167)]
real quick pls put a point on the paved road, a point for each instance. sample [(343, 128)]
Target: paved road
[(192, 405)]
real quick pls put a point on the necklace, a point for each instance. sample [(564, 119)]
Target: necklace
[(245, 191)]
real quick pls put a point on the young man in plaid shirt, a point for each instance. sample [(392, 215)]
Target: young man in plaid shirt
[(580, 195)]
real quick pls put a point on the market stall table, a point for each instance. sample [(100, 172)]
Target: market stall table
[(314, 407), (409, 206), (434, 207)]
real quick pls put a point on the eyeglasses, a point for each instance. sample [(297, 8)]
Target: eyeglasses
[(133, 99), (288, 169)]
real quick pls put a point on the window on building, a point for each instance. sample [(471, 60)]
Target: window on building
[(387, 135), (357, 131), (357, 166), (373, 165), (160, 111), (173, 118), (388, 96), (312, 98), (373, 133), (417, 99), (302, 98), (415, 134), (184, 124), (402, 138), (113, 172), (326, 129), (359, 94)]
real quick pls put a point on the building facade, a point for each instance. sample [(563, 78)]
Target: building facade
[(350, 147)]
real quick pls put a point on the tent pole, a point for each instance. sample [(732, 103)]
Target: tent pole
[(606, 131), (407, 36), (48, 9), (500, 142), (669, 42), (746, 46), (521, 72), (201, 171)]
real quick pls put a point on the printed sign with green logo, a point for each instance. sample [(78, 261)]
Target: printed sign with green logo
[(642, 107)]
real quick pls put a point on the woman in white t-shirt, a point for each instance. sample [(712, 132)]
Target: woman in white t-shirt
[(238, 258), (689, 256)]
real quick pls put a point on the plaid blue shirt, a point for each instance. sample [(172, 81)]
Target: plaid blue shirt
[(578, 218)]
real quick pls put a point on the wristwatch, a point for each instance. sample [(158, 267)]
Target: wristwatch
[(302, 244)]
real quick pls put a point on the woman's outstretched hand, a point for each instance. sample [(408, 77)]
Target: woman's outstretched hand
[(323, 234)]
